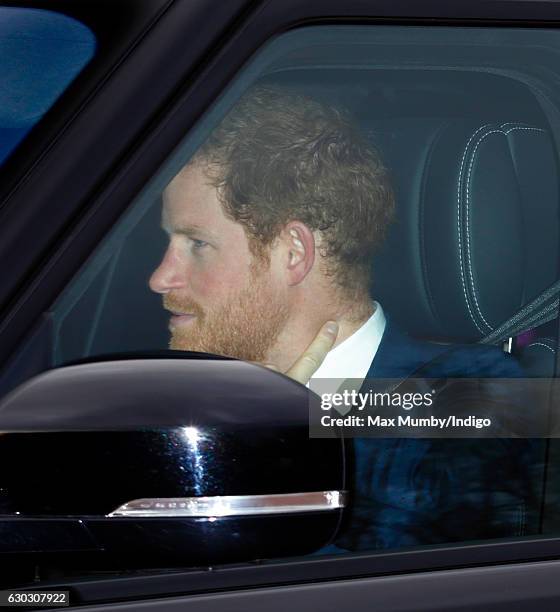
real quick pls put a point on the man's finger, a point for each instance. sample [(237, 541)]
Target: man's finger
[(304, 368), (270, 366)]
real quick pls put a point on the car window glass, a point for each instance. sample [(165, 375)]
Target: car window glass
[(406, 184), (41, 54)]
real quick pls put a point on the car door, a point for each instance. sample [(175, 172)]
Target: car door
[(81, 197)]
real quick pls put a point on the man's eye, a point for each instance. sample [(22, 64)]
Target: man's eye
[(198, 244)]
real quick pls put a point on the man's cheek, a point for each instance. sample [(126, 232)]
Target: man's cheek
[(218, 283), (203, 284)]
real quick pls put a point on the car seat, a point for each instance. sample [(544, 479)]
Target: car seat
[(477, 232)]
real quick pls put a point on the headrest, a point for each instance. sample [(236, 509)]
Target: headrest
[(477, 229)]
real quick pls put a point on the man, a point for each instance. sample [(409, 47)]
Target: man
[(257, 282), (272, 227)]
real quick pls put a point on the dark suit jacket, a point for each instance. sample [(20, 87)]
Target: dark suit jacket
[(417, 491)]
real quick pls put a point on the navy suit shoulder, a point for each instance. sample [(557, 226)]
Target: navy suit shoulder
[(400, 356), (418, 491)]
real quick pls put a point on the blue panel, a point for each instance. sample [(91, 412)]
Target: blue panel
[(41, 52)]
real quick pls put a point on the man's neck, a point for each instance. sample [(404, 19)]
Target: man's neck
[(304, 326)]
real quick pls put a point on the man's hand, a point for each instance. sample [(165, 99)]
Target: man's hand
[(310, 360)]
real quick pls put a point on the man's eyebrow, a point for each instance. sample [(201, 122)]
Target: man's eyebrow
[(191, 231)]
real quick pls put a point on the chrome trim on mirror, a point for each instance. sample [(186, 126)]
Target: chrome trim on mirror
[(233, 505)]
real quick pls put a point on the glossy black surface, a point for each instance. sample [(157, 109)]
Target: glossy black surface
[(201, 541), (179, 389), (112, 543), (93, 473), (82, 440)]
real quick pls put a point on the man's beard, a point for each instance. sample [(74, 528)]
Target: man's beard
[(246, 326)]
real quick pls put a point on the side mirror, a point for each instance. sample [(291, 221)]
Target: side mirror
[(164, 461)]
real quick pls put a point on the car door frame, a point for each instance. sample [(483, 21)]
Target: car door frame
[(93, 181)]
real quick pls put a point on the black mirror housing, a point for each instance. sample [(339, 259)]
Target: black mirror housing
[(166, 461)]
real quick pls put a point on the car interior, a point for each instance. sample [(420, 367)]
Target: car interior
[(475, 235), (473, 156)]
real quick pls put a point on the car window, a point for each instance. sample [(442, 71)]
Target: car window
[(403, 182), (41, 54)]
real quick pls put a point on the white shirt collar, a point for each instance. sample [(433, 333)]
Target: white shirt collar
[(352, 358)]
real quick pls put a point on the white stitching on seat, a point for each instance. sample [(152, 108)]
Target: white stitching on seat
[(532, 129), (515, 123), (459, 228), (468, 240), (542, 344), (469, 263)]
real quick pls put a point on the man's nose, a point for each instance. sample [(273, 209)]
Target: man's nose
[(170, 274)]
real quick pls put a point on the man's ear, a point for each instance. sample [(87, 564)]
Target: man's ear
[(299, 251)]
